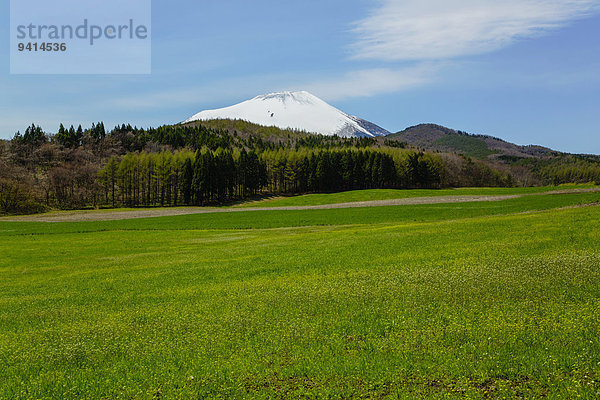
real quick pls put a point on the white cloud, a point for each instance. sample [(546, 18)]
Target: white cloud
[(396, 30), (370, 82), (443, 29)]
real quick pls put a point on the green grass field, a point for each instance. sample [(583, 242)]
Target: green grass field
[(470, 300), (391, 194)]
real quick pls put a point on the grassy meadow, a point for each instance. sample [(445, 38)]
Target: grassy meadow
[(393, 194), (442, 301)]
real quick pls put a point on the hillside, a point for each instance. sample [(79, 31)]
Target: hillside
[(251, 135), (439, 138), (221, 161)]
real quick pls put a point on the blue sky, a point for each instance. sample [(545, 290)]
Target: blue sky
[(524, 70)]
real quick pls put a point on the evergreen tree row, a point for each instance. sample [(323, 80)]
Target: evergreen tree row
[(216, 177), (183, 177)]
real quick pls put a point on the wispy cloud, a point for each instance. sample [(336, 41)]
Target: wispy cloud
[(426, 31), (443, 29)]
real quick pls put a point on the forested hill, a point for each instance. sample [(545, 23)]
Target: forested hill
[(221, 161), (439, 138)]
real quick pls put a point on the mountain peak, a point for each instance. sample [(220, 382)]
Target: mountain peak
[(300, 95), (299, 110), (303, 97)]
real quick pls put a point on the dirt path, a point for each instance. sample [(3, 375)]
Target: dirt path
[(74, 216)]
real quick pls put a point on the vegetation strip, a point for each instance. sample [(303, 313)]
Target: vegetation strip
[(219, 162), (163, 212)]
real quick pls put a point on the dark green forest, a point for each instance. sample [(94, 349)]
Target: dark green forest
[(220, 162)]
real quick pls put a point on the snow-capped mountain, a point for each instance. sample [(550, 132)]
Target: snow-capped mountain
[(295, 110)]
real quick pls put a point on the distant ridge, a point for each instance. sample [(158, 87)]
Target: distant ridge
[(440, 138)]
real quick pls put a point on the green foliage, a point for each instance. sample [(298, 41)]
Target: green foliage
[(574, 170), (395, 143), (469, 146), (98, 133), (147, 179), (307, 170), (564, 168), (239, 126), (217, 177), (108, 177), (69, 137), (177, 136), (183, 177), (34, 136)]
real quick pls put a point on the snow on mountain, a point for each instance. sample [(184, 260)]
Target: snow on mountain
[(295, 110)]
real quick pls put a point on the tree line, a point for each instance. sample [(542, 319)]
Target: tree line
[(182, 177), (220, 176), (224, 161)]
